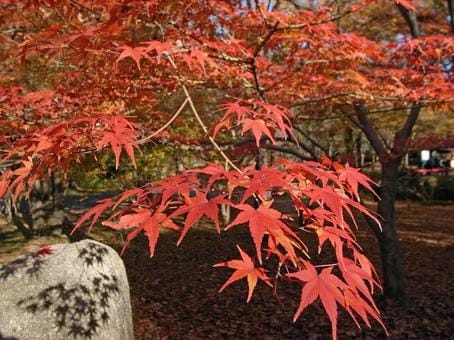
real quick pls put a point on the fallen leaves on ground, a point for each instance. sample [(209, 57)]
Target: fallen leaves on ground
[(175, 294)]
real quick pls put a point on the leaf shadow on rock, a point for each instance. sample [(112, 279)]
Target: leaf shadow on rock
[(79, 309), (3, 337), (30, 264)]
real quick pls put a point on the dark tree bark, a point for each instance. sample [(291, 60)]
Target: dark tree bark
[(42, 212), (390, 159), (411, 20), (451, 14), (388, 240)]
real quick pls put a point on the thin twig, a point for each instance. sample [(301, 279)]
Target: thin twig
[(318, 22), (201, 123), (326, 265), (143, 140), (83, 7)]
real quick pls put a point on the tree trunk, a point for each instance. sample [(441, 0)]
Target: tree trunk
[(390, 158), (391, 256), (451, 14), (42, 212)]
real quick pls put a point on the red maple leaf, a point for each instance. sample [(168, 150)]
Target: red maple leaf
[(354, 302), (180, 184), (4, 182), (408, 4), (279, 116), (334, 235), (136, 53), (199, 206), (45, 250), (337, 202), (199, 59), (356, 278), (144, 219), (326, 286), (93, 213), (215, 172), (258, 128), (232, 109), (159, 47), (244, 268), (121, 134), (235, 108), (264, 220), (261, 181), (353, 178)]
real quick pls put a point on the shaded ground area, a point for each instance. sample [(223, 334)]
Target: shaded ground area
[(174, 295), (13, 243)]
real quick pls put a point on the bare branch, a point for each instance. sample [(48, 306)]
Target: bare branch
[(313, 141), (318, 22), (257, 50), (83, 7), (411, 20), (268, 36), (286, 150), (362, 121), (258, 88), (201, 123), (402, 136), (165, 126), (451, 14)]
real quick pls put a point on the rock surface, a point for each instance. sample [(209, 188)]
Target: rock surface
[(67, 291)]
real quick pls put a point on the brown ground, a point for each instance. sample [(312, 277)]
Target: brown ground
[(174, 295)]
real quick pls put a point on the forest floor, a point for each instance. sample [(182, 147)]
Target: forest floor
[(175, 295)]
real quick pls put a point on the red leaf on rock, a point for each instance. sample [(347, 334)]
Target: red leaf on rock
[(45, 250)]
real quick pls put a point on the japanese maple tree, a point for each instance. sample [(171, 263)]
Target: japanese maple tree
[(108, 64)]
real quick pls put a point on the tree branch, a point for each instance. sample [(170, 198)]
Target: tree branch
[(257, 50), (274, 147), (83, 7), (258, 88), (401, 137), (411, 20), (313, 141), (286, 150), (268, 36), (202, 124), (451, 14), (317, 22), (166, 125), (362, 121)]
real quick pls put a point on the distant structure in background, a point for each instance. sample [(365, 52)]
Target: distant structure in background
[(439, 161)]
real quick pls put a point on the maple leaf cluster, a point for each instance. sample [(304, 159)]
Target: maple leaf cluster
[(324, 194), (264, 119), (57, 146)]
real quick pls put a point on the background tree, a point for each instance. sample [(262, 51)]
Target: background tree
[(421, 63)]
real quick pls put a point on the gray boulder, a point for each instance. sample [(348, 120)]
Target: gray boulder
[(78, 291)]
